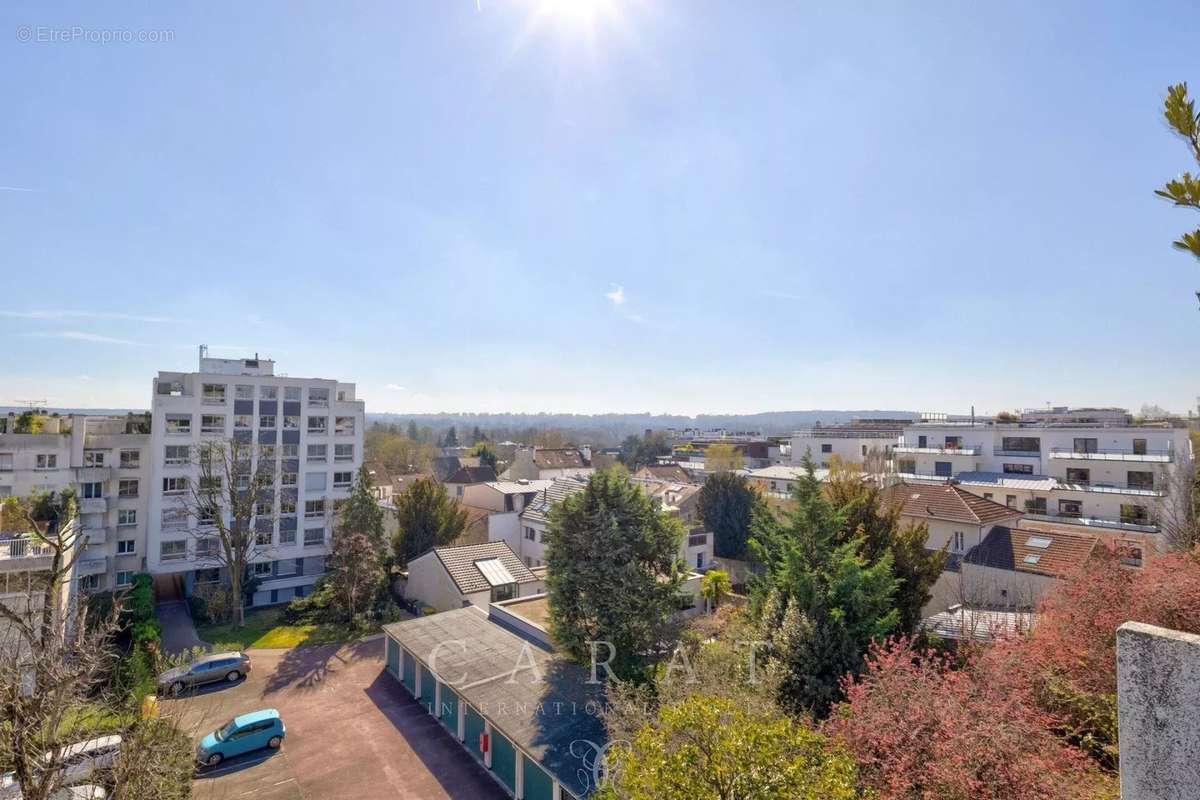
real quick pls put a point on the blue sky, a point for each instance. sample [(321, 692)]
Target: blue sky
[(674, 206)]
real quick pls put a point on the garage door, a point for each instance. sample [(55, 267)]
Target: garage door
[(472, 729), (393, 657), (538, 785), (504, 760), (428, 687), (449, 709), (410, 673)]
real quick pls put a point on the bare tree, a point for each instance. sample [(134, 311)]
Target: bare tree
[(53, 661), (232, 503), (1178, 510)]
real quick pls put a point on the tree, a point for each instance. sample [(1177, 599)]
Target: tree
[(361, 513), (487, 456), (413, 433), (451, 438), (28, 422), (921, 727), (727, 504), (715, 586), (355, 574), (232, 503), (1184, 191), (1178, 509), (426, 518), (722, 457), (711, 748), (478, 435), (881, 530), (157, 760), (612, 574), (637, 452), (821, 602)]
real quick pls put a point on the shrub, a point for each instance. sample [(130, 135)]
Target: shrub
[(156, 761), (313, 608)]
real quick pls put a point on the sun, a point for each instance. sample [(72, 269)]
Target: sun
[(574, 17)]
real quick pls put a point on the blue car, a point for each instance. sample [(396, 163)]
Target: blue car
[(252, 731)]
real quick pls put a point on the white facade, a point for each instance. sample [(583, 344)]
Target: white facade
[(312, 428), (1102, 474)]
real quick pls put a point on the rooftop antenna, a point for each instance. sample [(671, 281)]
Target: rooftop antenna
[(33, 405)]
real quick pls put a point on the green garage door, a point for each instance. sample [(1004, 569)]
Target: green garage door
[(450, 709), (428, 687), (538, 785), (393, 657), (472, 729), (410, 673), (504, 760)]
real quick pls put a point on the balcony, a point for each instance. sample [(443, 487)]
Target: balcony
[(945, 450), (1000, 451), (1151, 456), (1140, 490), (91, 566), (93, 474), (93, 505), (94, 536), (22, 547), (1148, 526)]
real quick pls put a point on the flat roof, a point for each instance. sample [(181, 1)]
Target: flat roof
[(535, 608), (540, 701)]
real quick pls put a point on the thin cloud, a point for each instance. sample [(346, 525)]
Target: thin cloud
[(395, 387), (617, 295), (50, 314), (15, 189), (84, 336), (787, 295)]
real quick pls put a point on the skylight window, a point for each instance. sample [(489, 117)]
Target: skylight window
[(1040, 542), (1032, 558)]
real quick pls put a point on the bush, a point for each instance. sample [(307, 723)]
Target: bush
[(211, 604), (313, 608), (155, 763)]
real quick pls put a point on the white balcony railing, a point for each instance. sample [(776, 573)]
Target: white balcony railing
[(93, 505), (944, 450), (23, 547), (1151, 456)]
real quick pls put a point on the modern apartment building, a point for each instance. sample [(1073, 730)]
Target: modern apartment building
[(1092, 467), (852, 442), (309, 429), (106, 461)]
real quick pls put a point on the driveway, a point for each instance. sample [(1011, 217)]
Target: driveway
[(352, 731), (178, 630)]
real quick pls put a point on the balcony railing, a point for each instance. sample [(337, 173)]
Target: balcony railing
[(944, 450), (93, 505), (24, 547), (1146, 526), (1110, 488), (1000, 451), (1116, 454)]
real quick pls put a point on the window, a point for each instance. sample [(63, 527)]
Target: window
[(506, 592), (175, 485), (89, 583), (6, 462), (1132, 514), (179, 423), (131, 459), (343, 426), (208, 547), (907, 466), (213, 394), (266, 421), (212, 423), (1021, 444), (287, 506), (343, 452), (291, 393), (207, 516), (1010, 500), (126, 547), (266, 451), (288, 478), (318, 398), (210, 483), (243, 421), (268, 392), (243, 392), (1037, 505), (826, 448), (942, 469), (177, 455), (697, 539), (1139, 447), (263, 508), (93, 458), (1084, 445), (291, 422), (263, 539), (530, 534), (243, 481), (287, 537), (958, 541), (314, 481), (317, 453), (289, 451), (1070, 508), (314, 537), (92, 490), (1131, 553), (1018, 469), (47, 461), (1140, 480), (127, 488), (318, 425), (210, 575), (127, 516), (314, 509), (124, 577), (173, 550), (953, 442), (262, 568), (1075, 475), (174, 518), (342, 480)]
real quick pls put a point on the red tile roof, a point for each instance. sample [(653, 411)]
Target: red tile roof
[(1041, 552), (945, 502)]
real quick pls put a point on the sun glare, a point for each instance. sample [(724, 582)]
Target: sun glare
[(578, 15)]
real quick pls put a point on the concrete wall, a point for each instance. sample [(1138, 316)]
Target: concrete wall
[(1158, 706)]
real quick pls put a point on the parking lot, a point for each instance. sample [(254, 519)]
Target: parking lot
[(352, 732)]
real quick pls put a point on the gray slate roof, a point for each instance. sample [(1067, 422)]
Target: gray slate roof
[(460, 564), (551, 716), (538, 509)]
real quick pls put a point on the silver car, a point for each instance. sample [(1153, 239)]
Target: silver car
[(211, 668), (79, 762)]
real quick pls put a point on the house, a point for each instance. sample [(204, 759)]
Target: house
[(450, 577), (382, 485), (467, 476), (1014, 567), (852, 442), (779, 480), (527, 714), (534, 463), (535, 518), (957, 519), (678, 499), (504, 500), (670, 473)]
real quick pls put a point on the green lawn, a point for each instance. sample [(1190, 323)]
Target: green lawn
[(265, 629)]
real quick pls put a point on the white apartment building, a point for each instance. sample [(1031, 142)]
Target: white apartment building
[(852, 442), (310, 428), (1086, 469), (105, 460)]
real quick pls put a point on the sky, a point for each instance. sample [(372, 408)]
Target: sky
[(600, 205)]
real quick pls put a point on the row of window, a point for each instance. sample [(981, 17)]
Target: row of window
[(180, 455), (209, 546), (178, 484), (215, 393), (129, 459), (177, 517), (215, 423)]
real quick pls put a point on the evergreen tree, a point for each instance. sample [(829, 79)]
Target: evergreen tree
[(487, 456), (426, 517), (727, 504), (413, 433), (451, 438), (361, 513), (613, 574)]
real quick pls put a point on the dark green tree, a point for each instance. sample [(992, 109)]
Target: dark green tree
[(426, 517), (727, 504), (487, 456), (451, 438), (821, 602), (636, 452), (1180, 113), (413, 433), (361, 513), (613, 575)]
